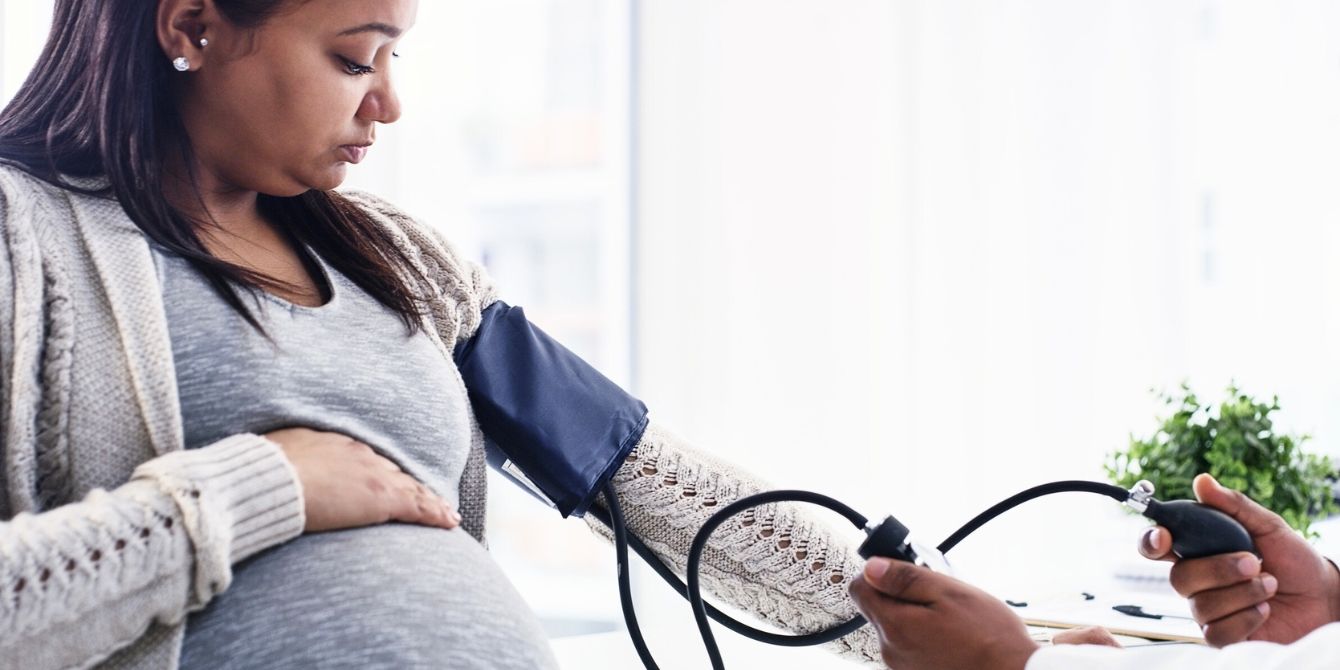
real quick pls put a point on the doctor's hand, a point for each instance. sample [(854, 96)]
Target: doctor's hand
[(346, 484), (1289, 593), (929, 620)]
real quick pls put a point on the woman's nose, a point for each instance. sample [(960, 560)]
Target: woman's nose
[(381, 104)]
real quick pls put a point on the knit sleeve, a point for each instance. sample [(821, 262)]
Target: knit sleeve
[(774, 561), (82, 580)]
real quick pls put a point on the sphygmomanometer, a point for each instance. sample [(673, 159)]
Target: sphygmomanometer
[(557, 427)]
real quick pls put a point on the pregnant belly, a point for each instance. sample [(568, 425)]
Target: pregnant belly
[(392, 595)]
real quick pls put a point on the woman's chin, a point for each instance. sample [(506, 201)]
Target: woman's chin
[(326, 179), (331, 178)]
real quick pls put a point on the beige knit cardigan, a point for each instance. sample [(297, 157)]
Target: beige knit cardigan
[(111, 533)]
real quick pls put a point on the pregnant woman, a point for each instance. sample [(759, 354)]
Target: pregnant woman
[(234, 432)]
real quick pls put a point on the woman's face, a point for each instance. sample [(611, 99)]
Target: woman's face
[(286, 107)]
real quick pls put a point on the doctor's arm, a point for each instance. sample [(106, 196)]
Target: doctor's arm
[(1285, 605), (930, 620)]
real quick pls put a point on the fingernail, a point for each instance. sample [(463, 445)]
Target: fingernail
[(1149, 541), (1264, 609), (455, 516), (876, 567), (1271, 584), (1248, 566)]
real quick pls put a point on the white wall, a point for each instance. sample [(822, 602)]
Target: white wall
[(23, 31), (768, 166), (924, 254)]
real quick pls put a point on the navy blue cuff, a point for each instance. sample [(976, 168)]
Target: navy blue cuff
[(557, 425)]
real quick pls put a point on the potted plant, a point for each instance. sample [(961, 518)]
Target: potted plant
[(1236, 442)]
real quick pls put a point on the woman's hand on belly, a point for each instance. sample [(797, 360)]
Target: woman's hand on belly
[(346, 484)]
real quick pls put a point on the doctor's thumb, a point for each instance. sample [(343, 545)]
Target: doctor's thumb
[(1253, 517)]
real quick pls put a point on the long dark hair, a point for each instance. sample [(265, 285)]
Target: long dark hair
[(99, 103)]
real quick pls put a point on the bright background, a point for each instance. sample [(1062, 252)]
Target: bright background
[(920, 254)]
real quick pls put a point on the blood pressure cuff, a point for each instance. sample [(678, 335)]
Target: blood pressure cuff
[(554, 424)]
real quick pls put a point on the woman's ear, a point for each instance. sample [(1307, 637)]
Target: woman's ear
[(183, 29)]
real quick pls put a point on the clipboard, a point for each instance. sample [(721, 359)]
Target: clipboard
[(1074, 610)]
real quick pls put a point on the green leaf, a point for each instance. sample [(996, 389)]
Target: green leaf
[(1236, 442)]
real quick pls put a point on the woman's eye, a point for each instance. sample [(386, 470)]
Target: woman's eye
[(355, 68)]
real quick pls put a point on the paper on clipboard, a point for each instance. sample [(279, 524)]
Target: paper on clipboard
[(1074, 610)]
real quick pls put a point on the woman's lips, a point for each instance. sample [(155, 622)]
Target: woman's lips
[(353, 153)]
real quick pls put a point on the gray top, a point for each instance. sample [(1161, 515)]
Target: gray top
[(394, 595)]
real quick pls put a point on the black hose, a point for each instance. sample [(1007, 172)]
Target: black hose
[(669, 577), (1078, 486), (693, 589), (700, 543), (625, 588)]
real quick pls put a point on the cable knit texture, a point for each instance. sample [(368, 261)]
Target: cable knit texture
[(774, 561), (166, 540), (110, 532)]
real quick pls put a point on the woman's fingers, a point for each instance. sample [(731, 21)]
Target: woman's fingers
[(423, 507), (414, 502), (1215, 604), (442, 513), (348, 484), (1236, 626), (417, 504), (438, 512)]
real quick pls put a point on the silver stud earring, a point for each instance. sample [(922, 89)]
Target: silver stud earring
[(203, 42), (181, 63)]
